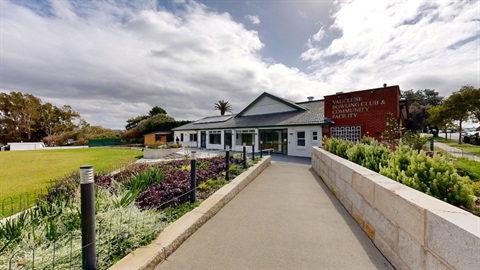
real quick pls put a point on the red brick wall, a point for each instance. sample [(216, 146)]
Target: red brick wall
[(366, 108)]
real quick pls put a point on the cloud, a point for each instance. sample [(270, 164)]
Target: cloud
[(416, 44), (113, 62), (253, 19)]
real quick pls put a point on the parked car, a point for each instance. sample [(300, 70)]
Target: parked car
[(472, 137)]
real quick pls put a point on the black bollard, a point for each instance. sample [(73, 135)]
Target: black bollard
[(87, 205), (227, 164), (244, 156), (193, 183), (261, 149), (253, 152)]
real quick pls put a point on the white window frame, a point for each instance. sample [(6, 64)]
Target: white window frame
[(316, 135), (304, 146)]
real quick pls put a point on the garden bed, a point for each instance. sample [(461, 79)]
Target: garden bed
[(132, 208), (436, 176)]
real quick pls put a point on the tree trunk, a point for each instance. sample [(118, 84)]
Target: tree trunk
[(460, 136)]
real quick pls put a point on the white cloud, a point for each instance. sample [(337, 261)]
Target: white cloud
[(416, 44), (114, 62), (253, 19)]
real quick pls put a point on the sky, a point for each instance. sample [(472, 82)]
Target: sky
[(115, 60)]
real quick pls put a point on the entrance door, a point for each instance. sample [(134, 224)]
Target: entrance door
[(274, 139), (203, 139)]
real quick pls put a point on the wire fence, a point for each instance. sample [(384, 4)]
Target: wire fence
[(57, 243), (41, 234)]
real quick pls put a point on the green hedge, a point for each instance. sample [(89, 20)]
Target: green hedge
[(434, 176)]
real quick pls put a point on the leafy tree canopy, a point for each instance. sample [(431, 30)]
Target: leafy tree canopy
[(156, 110), (420, 101)]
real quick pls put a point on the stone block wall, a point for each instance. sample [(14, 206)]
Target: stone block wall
[(411, 229)]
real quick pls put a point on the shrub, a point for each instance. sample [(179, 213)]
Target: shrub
[(371, 156), (435, 176)]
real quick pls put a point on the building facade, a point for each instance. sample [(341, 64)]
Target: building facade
[(293, 128)]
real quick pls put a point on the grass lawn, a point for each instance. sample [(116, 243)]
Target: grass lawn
[(469, 148), (33, 171)]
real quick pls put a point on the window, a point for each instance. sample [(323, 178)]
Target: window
[(244, 136), (347, 133), (314, 135), (193, 137), (215, 137), (158, 137), (301, 138), (181, 137)]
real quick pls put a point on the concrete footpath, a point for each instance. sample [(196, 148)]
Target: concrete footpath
[(456, 152), (285, 219)]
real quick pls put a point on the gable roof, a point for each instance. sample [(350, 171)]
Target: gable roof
[(280, 101), (302, 113)]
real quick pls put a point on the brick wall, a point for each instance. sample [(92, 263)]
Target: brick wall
[(367, 109)]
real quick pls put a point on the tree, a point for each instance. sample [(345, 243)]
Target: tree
[(420, 101), (24, 117), (223, 106), (156, 110), (473, 96), (133, 122), (439, 118), (19, 114), (151, 124), (461, 105)]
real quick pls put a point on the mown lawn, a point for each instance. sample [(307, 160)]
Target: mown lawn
[(32, 172), (469, 148)]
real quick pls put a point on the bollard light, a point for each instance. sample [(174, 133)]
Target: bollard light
[(253, 151), (244, 156), (193, 183), (227, 163), (86, 174), (87, 206), (260, 148)]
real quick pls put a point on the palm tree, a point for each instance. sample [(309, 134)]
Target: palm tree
[(223, 106)]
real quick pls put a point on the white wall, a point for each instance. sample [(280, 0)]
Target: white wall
[(215, 146), (303, 151), (26, 146), (186, 138)]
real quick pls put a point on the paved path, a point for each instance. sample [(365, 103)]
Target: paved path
[(284, 219), (456, 152)]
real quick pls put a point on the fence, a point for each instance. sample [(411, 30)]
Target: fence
[(52, 229), (114, 141)]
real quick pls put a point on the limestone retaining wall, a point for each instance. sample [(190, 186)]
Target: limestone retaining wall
[(159, 153), (412, 230)]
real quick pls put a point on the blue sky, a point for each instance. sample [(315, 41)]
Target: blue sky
[(113, 60)]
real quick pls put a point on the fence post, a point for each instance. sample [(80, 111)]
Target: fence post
[(261, 149), (253, 151), (244, 156), (227, 163), (87, 195), (193, 184)]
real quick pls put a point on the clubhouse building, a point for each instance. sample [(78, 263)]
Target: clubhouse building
[(292, 128)]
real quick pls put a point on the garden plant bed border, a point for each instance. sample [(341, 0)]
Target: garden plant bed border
[(176, 233)]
